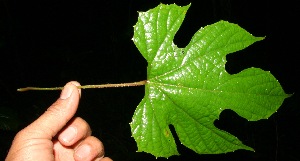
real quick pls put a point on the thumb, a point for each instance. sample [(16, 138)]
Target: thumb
[(58, 114)]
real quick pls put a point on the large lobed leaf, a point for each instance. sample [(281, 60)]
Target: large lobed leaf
[(189, 87)]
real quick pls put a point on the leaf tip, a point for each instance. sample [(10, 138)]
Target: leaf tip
[(289, 95), (261, 38)]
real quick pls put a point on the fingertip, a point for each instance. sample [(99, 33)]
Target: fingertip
[(77, 129), (89, 149), (103, 159), (69, 88), (76, 84), (106, 159), (67, 91)]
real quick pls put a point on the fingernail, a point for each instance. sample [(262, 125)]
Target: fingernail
[(68, 134), (83, 151), (66, 92)]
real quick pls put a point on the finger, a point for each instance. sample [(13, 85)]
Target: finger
[(77, 129), (57, 115), (90, 148), (103, 159)]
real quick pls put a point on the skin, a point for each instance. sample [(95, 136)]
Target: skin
[(57, 135)]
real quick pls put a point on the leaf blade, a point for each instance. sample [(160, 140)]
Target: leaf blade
[(189, 87)]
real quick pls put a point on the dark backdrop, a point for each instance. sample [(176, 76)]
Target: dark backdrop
[(48, 43)]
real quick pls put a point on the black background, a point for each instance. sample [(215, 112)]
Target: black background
[(48, 43)]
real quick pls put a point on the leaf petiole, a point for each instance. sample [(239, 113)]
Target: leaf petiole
[(132, 84)]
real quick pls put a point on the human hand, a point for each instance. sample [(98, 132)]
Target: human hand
[(57, 136)]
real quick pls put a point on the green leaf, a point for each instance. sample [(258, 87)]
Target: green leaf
[(189, 87)]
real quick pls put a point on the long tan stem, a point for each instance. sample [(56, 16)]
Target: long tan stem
[(140, 83)]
